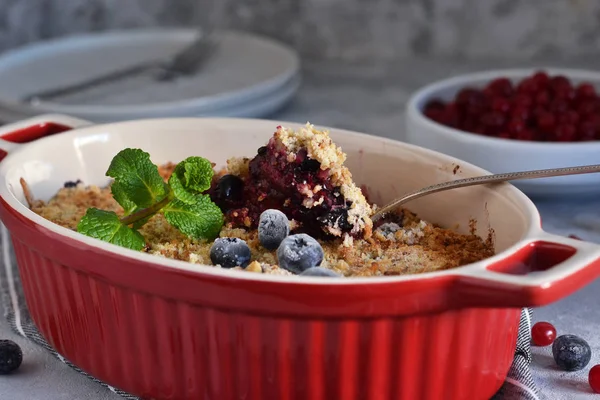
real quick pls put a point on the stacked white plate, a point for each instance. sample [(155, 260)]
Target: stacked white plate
[(247, 76)]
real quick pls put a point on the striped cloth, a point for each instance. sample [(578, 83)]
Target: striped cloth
[(519, 384)]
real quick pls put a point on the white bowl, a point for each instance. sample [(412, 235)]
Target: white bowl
[(504, 155)]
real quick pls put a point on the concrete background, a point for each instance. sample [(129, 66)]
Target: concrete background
[(352, 30)]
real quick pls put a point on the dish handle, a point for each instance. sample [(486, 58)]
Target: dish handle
[(545, 270), (13, 135)]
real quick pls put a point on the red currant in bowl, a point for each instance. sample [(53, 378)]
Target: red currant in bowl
[(514, 120)]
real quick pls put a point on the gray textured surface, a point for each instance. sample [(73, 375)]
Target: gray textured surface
[(339, 29), (371, 99)]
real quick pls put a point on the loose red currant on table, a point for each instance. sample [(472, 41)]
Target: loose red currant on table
[(594, 378), (539, 107), (543, 334)]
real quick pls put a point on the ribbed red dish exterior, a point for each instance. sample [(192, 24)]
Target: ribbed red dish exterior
[(165, 332), (166, 349)]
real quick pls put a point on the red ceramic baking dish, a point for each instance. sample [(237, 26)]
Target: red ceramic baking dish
[(165, 329)]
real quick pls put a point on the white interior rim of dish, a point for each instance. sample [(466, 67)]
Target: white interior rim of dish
[(533, 233), (429, 91)]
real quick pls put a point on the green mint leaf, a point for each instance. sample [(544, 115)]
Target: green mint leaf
[(106, 226), (193, 175), (119, 194), (201, 219), (179, 191), (137, 177), (198, 173)]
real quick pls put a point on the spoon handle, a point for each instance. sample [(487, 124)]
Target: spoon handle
[(480, 180)]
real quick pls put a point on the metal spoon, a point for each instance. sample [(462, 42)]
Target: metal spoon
[(184, 62), (480, 180)]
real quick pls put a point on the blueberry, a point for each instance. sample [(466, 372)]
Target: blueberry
[(310, 165), (297, 253), (319, 271), (11, 356), (571, 353), (230, 188), (273, 227), (230, 252), (337, 217), (389, 229), (262, 150)]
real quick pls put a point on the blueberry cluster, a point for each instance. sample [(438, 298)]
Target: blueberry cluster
[(299, 253)]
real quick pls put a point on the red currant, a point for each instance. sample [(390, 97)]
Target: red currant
[(586, 90), (559, 83), (526, 134), (565, 133), (500, 104), (543, 333), (594, 378), (546, 121), (542, 98), (539, 107), (501, 87), (541, 78)]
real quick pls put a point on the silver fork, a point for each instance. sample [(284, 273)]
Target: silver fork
[(185, 62)]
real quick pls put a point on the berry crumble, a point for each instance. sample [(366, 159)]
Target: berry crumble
[(302, 174), (292, 209)]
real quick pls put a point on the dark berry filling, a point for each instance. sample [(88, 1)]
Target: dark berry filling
[(539, 107), (295, 187), (72, 184), (229, 189)]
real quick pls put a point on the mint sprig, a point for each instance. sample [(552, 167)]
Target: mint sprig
[(141, 191), (137, 178)]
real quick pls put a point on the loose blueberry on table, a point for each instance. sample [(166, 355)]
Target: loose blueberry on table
[(571, 352), (538, 108), (11, 356)]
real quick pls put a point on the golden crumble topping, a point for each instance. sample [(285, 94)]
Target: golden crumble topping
[(403, 245)]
